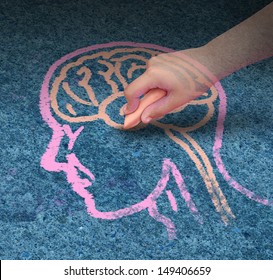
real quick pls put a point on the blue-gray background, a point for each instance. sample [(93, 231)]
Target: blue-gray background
[(42, 218)]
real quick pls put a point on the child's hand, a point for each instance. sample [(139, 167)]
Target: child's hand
[(246, 43), (169, 73)]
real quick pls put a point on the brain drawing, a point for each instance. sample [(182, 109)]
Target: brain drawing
[(119, 173)]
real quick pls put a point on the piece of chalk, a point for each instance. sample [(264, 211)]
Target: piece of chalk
[(150, 97)]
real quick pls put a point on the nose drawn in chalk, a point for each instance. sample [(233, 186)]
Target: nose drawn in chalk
[(85, 87)]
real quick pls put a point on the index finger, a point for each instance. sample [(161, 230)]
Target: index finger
[(136, 89)]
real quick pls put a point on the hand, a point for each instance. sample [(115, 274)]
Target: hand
[(170, 73)]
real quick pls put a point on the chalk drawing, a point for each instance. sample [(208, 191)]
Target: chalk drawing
[(60, 114)]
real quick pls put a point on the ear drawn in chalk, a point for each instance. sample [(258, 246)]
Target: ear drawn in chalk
[(82, 88)]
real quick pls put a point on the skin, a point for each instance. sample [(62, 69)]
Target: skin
[(246, 43), (134, 119)]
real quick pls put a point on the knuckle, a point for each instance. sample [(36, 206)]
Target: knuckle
[(152, 61), (152, 71)]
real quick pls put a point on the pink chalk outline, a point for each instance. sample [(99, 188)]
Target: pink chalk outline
[(172, 200), (219, 138), (72, 167)]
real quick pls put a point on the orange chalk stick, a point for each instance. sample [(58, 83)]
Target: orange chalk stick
[(150, 97)]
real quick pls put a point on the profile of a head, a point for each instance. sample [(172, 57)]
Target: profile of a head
[(82, 101)]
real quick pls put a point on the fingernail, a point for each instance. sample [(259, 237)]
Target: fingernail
[(130, 109), (147, 119), (125, 109)]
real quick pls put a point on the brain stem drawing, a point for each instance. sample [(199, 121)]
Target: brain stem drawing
[(72, 98)]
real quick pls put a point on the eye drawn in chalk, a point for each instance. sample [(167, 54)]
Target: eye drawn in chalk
[(85, 88)]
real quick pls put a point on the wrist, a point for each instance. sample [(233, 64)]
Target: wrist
[(216, 60), (203, 59)]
